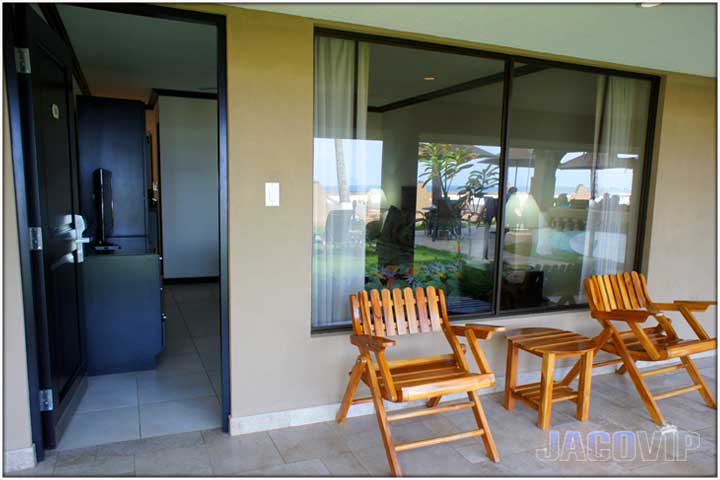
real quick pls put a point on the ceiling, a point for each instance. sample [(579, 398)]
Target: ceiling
[(671, 37), (130, 54), (397, 73)]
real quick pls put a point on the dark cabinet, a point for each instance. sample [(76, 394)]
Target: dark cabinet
[(111, 135), (122, 312)]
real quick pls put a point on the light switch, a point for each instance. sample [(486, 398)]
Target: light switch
[(272, 194)]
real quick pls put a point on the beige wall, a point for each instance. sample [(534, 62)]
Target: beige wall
[(16, 408), (683, 236)]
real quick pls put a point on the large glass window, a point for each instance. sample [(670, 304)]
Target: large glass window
[(573, 183), (407, 176)]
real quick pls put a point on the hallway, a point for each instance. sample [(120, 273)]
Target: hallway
[(181, 395)]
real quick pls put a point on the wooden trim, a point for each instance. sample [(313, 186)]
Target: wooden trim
[(54, 19)]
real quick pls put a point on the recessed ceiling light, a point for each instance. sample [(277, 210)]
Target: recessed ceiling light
[(649, 5), (429, 78)]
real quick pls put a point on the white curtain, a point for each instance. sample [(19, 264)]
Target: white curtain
[(341, 92), (620, 125)]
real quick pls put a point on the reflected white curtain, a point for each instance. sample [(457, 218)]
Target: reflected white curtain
[(620, 124), (341, 92)]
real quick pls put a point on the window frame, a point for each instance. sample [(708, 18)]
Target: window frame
[(510, 60)]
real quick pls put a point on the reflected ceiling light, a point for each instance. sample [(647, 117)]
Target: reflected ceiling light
[(429, 78), (649, 5)]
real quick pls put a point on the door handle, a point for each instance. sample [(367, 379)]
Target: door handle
[(79, 240)]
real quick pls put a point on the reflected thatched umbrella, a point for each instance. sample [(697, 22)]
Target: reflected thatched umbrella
[(519, 157)]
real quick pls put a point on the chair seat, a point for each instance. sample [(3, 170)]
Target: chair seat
[(430, 377), (433, 384), (667, 347)]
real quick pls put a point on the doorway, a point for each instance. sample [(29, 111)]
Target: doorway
[(60, 321)]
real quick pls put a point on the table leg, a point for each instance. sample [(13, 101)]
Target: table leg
[(546, 390), (584, 384), (510, 374)]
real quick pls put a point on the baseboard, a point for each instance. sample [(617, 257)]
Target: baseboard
[(19, 459), (325, 413)]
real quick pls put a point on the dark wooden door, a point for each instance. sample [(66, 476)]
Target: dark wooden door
[(48, 125)]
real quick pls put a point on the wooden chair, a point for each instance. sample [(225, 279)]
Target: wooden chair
[(404, 312), (624, 297)]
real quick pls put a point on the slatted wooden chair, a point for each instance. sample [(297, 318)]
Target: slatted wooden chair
[(403, 312), (624, 297)]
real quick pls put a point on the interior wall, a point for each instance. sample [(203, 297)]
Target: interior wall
[(16, 407), (188, 134)]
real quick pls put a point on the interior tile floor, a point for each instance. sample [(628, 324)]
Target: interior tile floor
[(355, 448), (181, 395)]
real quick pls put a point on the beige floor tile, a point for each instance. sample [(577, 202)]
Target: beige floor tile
[(308, 441), (188, 461), (108, 466), (305, 468), (241, 453)]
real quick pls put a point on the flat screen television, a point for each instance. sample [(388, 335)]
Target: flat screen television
[(102, 194)]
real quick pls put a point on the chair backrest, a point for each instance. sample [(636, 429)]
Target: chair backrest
[(620, 291), (398, 312)]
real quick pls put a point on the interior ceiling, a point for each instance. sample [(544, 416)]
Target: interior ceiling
[(672, 37), (131, 54), (397, 73)]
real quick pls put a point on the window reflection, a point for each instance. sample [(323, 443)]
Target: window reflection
[(573, 178), (405, 174)]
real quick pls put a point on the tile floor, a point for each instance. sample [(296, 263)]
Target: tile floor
[(355, 448), (181, 395)]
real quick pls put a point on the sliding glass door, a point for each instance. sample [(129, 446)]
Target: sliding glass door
[(412, 187)]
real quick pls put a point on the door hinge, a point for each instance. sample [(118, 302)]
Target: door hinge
[(36, 238), (46, 400), (22, 60)]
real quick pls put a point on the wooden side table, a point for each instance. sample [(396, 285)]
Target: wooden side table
[(549, 344)]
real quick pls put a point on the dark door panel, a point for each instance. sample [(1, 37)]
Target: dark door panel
[(48, 122)]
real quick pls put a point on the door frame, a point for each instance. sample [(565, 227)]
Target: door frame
[(21, 195)]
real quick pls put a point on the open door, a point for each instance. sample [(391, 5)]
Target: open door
[(47, 105)]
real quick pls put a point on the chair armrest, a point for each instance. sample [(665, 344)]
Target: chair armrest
[(474, 332), (637, 316), (482, 332), (371, 342), (692, 305)]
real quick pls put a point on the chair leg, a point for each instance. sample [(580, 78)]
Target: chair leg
[(510, 375), (384, 425), (584, 385), (433, 402), (621, 369), (482, 422), (640, 385), (698, 380), (353, 383), (546, 390)]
